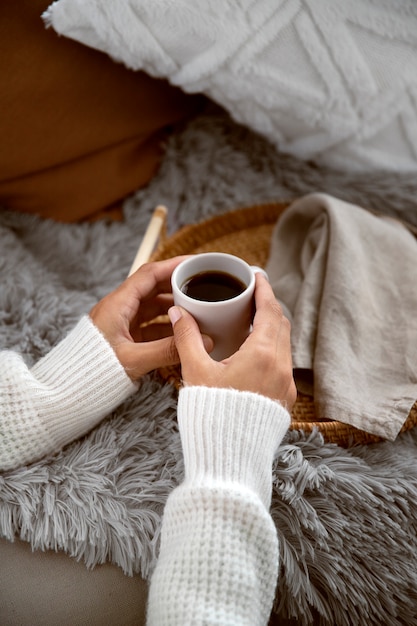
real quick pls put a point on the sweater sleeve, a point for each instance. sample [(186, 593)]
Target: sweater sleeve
[(218, 561), (60, 398)]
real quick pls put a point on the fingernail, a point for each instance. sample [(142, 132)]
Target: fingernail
[(259, 270), (174, 314)]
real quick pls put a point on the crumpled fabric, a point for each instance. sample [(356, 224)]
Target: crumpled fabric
[(347, 280)]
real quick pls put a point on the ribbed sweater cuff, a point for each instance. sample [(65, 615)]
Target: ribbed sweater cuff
[(79, 382), (230, 436)]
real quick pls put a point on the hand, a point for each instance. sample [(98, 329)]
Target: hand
[(263, 364), (139, 299)]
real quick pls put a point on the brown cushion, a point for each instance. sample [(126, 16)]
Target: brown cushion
[(78, 131)]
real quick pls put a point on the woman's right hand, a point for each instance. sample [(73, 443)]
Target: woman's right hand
[(263, 363)]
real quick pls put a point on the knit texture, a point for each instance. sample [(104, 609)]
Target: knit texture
[(218, 561), (334, 82), (61, 397)]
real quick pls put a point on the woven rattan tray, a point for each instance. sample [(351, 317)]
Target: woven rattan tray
[(247, 233)]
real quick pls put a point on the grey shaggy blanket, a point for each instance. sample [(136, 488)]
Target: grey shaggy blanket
[(346, 519)]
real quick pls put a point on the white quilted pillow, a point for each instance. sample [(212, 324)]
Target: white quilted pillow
[(334, 82)]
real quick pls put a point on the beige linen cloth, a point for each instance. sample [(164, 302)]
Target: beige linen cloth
[(347, 279)]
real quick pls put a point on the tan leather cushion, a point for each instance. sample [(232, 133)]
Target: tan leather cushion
[(78, 131)]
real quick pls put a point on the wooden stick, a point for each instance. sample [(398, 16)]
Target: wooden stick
[(150, 238)]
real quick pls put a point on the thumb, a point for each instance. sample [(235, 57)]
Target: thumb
[(190, 343)]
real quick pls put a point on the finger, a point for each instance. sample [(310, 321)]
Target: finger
[(148, 281), (141, 358), (268, 314), (153, 278), (159, 330), (191, 346), (270, 326)]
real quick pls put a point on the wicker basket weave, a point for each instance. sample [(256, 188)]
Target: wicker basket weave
[(247, 233)]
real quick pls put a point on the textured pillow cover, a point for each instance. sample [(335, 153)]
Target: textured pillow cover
[(333, 82)]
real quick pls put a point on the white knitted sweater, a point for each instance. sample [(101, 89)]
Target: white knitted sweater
[(61, 398), (218, 561)]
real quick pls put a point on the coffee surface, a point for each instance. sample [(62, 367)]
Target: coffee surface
[(213, 286)]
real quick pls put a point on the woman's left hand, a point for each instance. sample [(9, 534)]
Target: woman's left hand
[(121, 314)]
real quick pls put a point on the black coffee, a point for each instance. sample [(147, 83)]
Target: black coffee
[(213, 286)]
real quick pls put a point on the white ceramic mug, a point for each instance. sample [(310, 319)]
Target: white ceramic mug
[(227, 322)]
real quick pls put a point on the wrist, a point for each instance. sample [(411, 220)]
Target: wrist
[(78, 382), (230, 436)]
